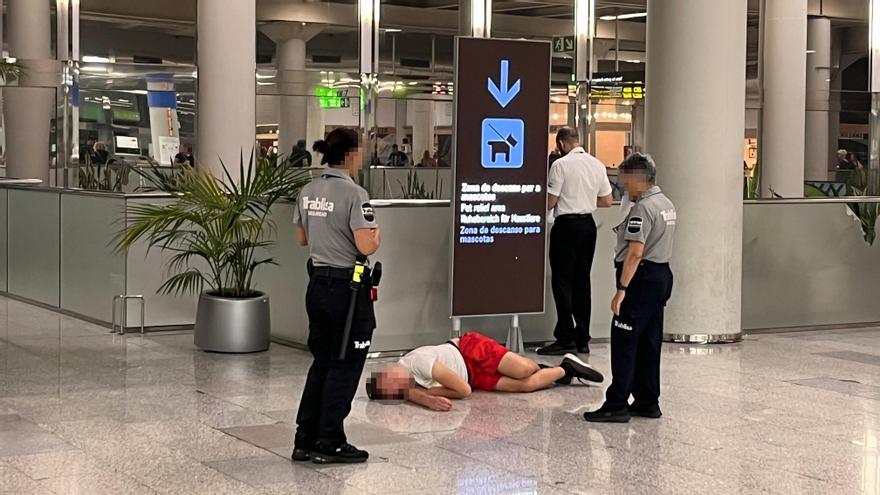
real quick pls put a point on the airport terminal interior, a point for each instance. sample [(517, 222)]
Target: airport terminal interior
[(154, 336)]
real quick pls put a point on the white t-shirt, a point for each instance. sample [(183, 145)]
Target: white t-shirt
[(421, 361), (578, 179)]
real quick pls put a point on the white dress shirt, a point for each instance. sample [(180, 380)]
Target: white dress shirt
[(578, 179)]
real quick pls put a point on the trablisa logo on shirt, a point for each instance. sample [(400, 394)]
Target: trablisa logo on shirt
[(317, 207), (368, 212)]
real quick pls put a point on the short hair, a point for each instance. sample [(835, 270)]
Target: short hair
[(640, 163), (568, 134), (374, 391)]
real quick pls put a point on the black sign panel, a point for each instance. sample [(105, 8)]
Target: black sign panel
[(502, 96)]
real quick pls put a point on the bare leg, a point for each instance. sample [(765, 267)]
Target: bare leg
[(517, 367), (539, 380)]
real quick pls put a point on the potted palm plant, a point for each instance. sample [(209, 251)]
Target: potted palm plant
[(217, 232)]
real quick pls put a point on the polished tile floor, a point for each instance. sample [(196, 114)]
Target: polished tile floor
[(85, 412)]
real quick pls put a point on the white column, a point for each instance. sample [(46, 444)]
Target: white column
[(294, 113), (227, 83), (290, 59), (399, 121), (782, 141), (708, 122), (29, 110), (818, 83), (315, 128), (423, 129)]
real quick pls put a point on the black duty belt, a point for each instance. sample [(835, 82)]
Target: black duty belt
[(575, 216), (651, 264), (332, 272)]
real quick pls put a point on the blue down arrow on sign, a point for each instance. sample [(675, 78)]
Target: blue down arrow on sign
[(503, 93)]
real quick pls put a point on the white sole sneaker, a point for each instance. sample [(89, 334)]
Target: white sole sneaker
[(587, 371)]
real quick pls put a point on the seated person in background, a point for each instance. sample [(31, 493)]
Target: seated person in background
[(431, 375), (427, 161), (397, 158)]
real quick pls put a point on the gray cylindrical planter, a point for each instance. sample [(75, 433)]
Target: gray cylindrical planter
[(225, 324)]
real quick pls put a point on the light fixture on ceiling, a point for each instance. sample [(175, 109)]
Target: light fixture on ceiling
[(810, 51), (94, 59), (623, 17), (392, 30)]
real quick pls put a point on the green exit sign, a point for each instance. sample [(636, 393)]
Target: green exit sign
[(332, 97), (563, 44)]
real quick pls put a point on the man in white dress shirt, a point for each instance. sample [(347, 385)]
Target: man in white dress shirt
[(578, 184)]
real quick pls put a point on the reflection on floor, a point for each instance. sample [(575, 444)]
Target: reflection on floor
[(82, 411)]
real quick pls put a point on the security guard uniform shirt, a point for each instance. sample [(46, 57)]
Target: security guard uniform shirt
[(330, 209), (650, 221)]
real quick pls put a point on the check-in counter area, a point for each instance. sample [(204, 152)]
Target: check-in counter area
[(805, 263)]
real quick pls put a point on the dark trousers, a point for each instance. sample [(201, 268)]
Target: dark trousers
[(572, 246), (636, 336), (332, 383)]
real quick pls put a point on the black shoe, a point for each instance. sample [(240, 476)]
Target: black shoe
[(301, 455), (340, 454), (652, 412), (575, 368), (555, 349), (584, 349), (602, 416)]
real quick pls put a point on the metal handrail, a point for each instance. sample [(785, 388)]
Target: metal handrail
[(801, 201)]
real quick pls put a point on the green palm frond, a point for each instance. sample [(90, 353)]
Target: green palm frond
[(10, 71), (214, 228)]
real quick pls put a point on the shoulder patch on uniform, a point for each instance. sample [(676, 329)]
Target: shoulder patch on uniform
[(367, 210), (634, 225)]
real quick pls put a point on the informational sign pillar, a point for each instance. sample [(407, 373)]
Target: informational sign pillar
[(502, 95)]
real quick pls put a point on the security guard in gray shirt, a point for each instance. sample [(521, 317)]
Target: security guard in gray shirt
[(644, 285), (335, 219)]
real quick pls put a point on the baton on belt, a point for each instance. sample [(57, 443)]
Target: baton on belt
[(357, 278)]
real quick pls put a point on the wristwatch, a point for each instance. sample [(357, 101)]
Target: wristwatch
[(620, 286)]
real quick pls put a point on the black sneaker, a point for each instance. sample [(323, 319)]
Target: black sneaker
[(340, 454), (301, 455), (652, 412), (555, 349), (584, 349), (602, 416), (575, 368)]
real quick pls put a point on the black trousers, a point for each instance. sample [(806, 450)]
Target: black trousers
[(572, 246), (636, 337), (332, 383)]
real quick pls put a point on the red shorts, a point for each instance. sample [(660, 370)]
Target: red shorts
[(481, 356)]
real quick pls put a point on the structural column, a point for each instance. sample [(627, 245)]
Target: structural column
[(29, 108), (226, 110), (782, 130), (422, 129), (705, 121), (399, 121), (290, 59), (818, 83)]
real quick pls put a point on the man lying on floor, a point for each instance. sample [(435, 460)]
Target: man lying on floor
[(431, 375)]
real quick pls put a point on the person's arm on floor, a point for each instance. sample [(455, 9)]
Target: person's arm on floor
[(421, 397)]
